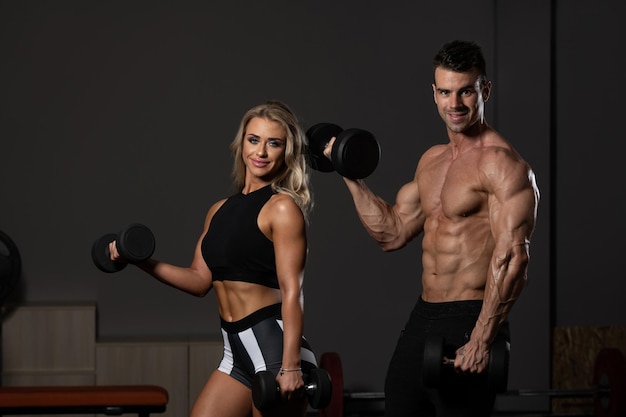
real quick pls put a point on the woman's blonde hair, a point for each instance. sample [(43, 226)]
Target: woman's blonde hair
[(295, 177)]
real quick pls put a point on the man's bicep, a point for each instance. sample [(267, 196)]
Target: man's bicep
[(513, 215), (408, 207)]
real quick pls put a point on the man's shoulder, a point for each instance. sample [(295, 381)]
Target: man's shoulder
[(501, 153), (504, 166)]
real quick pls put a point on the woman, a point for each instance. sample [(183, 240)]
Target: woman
[(252, 252)]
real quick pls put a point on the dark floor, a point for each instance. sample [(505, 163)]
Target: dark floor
[(506, 405)]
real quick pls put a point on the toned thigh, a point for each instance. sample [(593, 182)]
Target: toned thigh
[(223, 396), (295, 407)]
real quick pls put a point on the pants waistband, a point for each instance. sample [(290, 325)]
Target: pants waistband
[(271, 311)]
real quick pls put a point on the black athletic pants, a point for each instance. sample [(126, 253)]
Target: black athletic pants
[(459, 395)]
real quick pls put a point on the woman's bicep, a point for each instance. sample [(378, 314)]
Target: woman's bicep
[(290, 245)]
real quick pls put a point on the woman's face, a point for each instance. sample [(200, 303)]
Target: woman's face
[(263, 151)]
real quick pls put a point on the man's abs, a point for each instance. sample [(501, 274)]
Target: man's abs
[(454, 276), (456, 257)]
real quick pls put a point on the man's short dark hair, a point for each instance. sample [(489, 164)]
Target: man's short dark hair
[(461, 56)]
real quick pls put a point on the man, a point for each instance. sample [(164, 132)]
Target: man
[(475, 201)]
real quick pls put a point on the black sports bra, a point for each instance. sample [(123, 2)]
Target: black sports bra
[(234, 247)]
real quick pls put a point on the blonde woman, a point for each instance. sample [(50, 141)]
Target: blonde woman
[(252, 252)]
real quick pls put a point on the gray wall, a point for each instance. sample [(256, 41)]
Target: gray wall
[(115, 112), (590, 173)]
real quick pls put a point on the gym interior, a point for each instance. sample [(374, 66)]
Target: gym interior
[(120, 112)]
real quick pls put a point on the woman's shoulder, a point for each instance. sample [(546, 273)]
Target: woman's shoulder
[(214, 208), (283, 207), (282, 201)]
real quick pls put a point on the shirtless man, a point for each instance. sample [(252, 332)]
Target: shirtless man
[(475, 201)]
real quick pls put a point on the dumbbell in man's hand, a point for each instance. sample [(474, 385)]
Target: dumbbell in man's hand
[(354, 153)]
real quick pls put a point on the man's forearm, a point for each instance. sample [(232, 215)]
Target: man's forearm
[(504, 285), (376, 215)]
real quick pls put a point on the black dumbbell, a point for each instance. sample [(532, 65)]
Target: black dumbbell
[(434, 363), (355, 153), (134, 242), (266, 392), (10, 266)]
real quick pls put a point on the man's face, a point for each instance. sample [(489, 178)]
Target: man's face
[(460, 98)]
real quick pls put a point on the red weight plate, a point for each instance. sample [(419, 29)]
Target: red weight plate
[(331, 362), (610, 372)]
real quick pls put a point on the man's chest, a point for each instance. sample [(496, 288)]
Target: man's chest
[(452, 188)]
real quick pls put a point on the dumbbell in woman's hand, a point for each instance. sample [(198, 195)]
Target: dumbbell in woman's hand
[(266, 392), (135, 243)]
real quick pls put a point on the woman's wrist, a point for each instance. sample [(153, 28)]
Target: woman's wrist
[(282, 370)]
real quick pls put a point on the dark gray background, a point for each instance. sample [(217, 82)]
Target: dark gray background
[(113, 112)]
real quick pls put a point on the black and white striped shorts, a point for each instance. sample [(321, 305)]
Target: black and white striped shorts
[(255, 343)]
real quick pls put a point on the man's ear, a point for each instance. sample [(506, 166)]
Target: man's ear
[(486, 91)]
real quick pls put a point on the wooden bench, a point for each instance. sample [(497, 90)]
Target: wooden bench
[(109, 400)]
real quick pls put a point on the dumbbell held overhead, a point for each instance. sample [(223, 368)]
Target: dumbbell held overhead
[(135, 243), (266, 392), (355, 152)]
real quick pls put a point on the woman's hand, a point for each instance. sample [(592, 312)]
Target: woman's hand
[(291, 384)]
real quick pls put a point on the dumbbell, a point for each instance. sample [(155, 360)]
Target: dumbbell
[(266, 392), (608, 383), (434, 363), (10, 266), (134, 242), (355, 153)]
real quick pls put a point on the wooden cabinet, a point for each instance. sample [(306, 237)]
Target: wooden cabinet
[(56, 345), (51, 345)]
